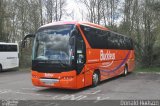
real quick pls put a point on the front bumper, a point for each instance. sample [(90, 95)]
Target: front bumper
[(55, 80)]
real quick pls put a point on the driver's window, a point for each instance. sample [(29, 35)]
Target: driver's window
[(80, 50)]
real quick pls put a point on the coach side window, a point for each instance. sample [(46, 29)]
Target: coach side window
[(101, 37), (96, 37), (111, 41), (1, 47)]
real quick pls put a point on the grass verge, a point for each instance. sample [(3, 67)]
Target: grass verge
[(149, 69)]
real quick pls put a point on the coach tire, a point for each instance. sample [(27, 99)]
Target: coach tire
[(125, 71), (95, 79)]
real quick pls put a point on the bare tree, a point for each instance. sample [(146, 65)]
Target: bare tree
[(101, 11), (1, 19), (3, 15), (55, 9)]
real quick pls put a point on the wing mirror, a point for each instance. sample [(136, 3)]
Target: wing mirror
[(24, 41)]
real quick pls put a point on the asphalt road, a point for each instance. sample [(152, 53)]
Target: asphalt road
[(16, 85)]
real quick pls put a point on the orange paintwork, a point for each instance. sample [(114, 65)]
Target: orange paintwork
[(111, 67), (63, 83)]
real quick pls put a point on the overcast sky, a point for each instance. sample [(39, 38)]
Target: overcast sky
[(76, 10)]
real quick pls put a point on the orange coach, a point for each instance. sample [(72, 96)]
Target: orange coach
[(74, 55)]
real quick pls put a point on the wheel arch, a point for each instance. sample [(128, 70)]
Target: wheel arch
[(98, 72)]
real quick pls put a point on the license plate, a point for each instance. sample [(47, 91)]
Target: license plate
[(49, 81)]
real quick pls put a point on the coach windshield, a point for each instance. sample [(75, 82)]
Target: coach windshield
[(52, 44)]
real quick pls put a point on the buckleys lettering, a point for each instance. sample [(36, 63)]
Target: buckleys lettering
[(48, 75), (107, 55)]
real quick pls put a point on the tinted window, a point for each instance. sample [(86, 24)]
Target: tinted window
[(97, 38), (8, 48), (102, 39), (116, 41)]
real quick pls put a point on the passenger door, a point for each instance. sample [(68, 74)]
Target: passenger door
[(80, 53), (80, 60)]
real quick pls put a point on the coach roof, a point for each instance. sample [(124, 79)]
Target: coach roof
[(76, 23)]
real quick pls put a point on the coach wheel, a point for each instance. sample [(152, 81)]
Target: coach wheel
[(125, 71), (0, 68), (95, 79)]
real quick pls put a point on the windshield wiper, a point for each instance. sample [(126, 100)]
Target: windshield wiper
[(59, 62), (62, 64)]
